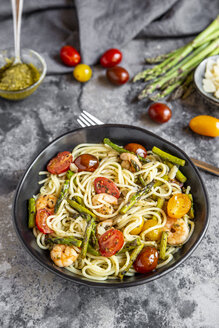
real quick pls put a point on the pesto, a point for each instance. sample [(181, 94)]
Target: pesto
[(18, 77)]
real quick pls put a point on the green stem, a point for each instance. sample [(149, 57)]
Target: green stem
[(163, 245), (70, 241), (79, 208), (133, 257), (136, 197), (164, 155), (87, 234), (31, 212)]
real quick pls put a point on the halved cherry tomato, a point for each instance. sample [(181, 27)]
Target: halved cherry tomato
[(154, 234), (111, 242), (86, 162), (107, 186), (137, 149), (147, 260), (159, 112), (41, 218), (111, 58), (60, 163), (138, 229), (117, 75), (178, 205), (70, 56)]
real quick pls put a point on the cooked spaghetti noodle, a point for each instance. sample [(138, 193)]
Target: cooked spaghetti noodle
[(67, 222)]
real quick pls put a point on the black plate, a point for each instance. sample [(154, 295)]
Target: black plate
[(120, 134)]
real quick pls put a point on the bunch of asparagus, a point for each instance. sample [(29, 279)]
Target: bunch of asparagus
[(174, 71)]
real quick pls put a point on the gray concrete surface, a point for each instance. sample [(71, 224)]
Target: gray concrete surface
[(33, 297)]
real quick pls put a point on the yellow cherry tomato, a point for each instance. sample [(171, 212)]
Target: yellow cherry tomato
[(178, 205), (138, 229), (154, 234), (205, 125), (82, 73)]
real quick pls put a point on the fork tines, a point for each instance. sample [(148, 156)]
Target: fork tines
[(86, 119)]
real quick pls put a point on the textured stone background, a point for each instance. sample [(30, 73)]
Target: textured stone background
[(33, 297)]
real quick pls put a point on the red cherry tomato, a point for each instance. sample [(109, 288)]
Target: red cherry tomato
[(111, 58), (159, 112), (111, 242), (60, 163), (107, 186), (86, 162), (147, 260), (137, 149), (70, 56), (41, 218), (117, 75)]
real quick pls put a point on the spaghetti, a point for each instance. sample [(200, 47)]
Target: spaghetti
[(144, 222)]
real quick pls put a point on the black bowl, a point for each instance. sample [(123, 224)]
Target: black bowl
[(120, 134)]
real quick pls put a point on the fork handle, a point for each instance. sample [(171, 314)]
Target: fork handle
[(205, 166)]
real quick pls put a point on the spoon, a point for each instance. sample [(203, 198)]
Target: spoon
[(17, 6)]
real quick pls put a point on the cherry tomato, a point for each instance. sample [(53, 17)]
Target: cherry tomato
[(107, 186), (117, 75), (205, 125), (86, 162), (178, 205), (154, 234), (70, 56), (41, 218), (147, 260), (82, 73), (137, 149), (138, 229), (111, 242), (60, 163), (111, 58), (159, 112)]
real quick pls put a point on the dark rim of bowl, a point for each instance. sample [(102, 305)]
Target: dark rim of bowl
[(120, 284)]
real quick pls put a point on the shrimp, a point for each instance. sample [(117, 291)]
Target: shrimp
[(106, 201), (104, 226), (178, 231), (130, 162), (46, 201), (63, 255)]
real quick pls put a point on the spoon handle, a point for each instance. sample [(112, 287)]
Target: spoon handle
[(17, 7)]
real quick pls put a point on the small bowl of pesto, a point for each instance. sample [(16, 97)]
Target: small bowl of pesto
[(19, 81)]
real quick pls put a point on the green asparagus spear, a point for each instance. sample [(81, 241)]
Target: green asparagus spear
[(94, 240), (164, 155), (69, 174), (129, 246), (163, 245), (141, 180), (121, 150), (63, 194), (32, 213), (136, 197), (80, 208), (92, 250), (160, 203), (189, 64), (159, 183), (70, 241), (79, 200), (133, 257), (86, 239), (179, 175), (191, 211)]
